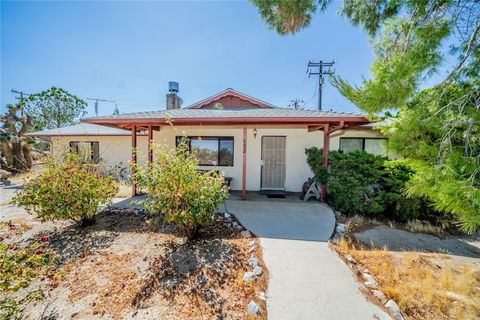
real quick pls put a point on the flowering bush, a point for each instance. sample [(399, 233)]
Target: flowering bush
[(67, 189), (176, 188)]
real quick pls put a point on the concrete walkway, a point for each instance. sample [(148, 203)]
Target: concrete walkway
[(307, 279)]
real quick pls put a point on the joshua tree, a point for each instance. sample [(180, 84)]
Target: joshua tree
[(15, 147)]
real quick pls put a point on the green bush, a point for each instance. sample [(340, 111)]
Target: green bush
[(67, 189), (176, 189), (362, 183)]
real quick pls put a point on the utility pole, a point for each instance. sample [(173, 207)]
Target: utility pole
[(96, 103), (295, 103), (21, 93), (316, 69)]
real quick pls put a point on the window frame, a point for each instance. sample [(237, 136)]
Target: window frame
[(218, 138), (74, 148), (363, 142)]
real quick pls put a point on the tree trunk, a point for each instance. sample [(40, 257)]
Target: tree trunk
[(27, 155)]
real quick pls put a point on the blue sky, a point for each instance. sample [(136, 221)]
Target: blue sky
[(128, 51)]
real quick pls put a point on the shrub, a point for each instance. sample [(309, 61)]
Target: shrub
[(175, 188), (363, 183), (67, 189)]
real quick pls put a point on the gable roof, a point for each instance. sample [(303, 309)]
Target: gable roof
[(82, 129), (229, 92)]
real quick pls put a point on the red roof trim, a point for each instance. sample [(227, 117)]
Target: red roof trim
[(233, 93), (83, 135)]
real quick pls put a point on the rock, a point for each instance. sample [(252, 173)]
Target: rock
[(338, 213), (369, 280), (379, 295), (248, 276), (393, 307), (4, 174), (246, 234), (252, 243), (136, 212), (234, 224), (351, 259), (253, 308), (252, 248), (340, 228), (253, 262), (261, 295), (227, 215), (257, 271)]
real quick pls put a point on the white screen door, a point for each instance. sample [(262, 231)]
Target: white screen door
[(273, 163)]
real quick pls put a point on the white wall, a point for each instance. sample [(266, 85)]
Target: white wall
[(114, 150), (297, 140)]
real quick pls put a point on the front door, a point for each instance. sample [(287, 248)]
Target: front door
[(273, 163)]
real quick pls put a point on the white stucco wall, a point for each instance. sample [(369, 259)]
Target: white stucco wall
[(117, 150), (297, 140), (114, 150)]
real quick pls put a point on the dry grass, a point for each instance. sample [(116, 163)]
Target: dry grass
[(422, 289), (426, 227)]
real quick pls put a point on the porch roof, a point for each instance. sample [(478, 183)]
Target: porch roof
[(230, 116)]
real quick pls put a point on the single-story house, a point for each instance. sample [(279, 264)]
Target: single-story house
[(258, 145)]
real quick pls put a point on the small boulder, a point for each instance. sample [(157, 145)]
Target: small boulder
[(227, 215), (379, 295), (393, 307), (369, 280), (338, 213), (253, 308), (257, 271), (261, 295), (234, 224), (4, 174), (253, 262), (248, 276), (351, 259), (340, 228), (246, 234)]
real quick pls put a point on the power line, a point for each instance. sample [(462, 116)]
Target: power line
[(102, 100), (295, 103), (320, 72)]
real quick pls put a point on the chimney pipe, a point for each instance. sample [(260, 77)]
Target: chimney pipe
[(173, 101)]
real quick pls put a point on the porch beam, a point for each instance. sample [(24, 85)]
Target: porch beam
[(244, 165), (134, 159), (326, 149), (150, 142)]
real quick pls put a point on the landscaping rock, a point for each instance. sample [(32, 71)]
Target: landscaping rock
[(4, 174), (252, 243), (393, 307), (369, 280), (379, 295), (253, 262), (261, 295), (248, 276), (227, 215), (340, 228), (351, 259), (246, 234), (338, 213), (234, 224), (253, 308), (257, 271)]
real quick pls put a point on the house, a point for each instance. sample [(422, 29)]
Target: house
[(258, 145)]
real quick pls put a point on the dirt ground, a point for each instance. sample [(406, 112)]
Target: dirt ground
[(127, 266)]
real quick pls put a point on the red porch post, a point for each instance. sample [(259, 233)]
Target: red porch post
[(244, 165), (134, 159), (150, 140), (326, 149)]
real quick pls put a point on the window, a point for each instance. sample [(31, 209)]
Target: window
[(211, 151), (371, 145), (87, 150)]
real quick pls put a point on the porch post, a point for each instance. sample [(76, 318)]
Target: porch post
[(150, 140), (244, 165), (134, 159), (326, 149)]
